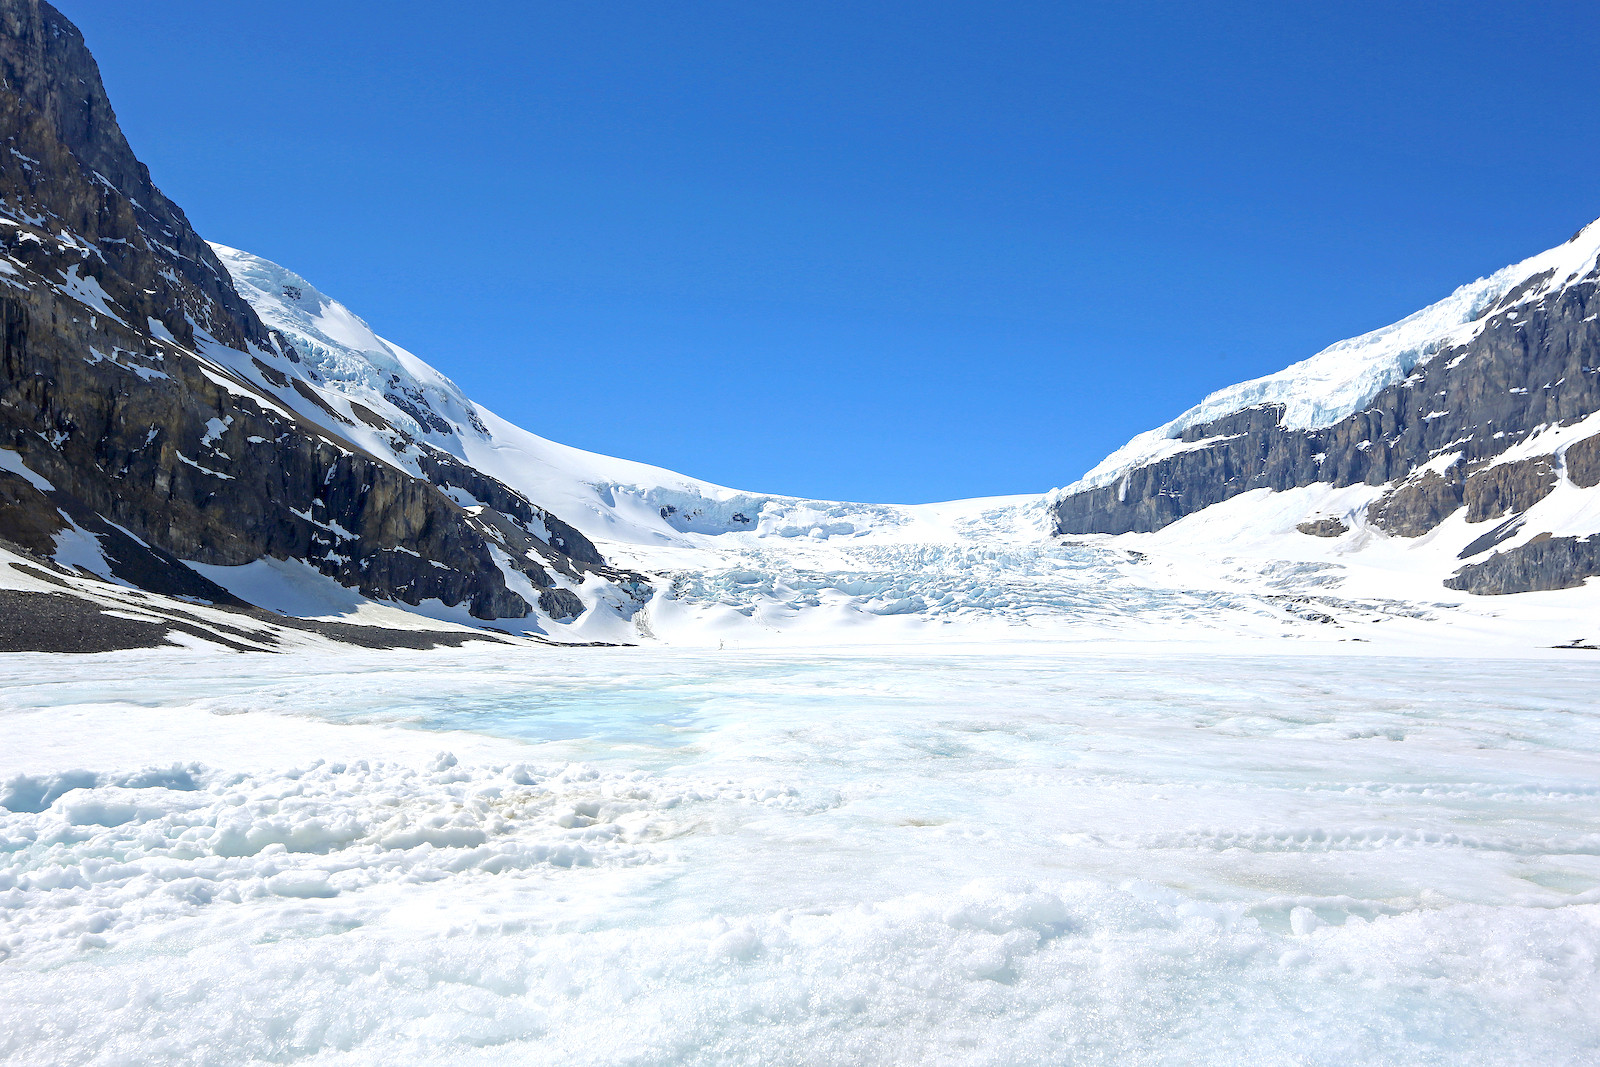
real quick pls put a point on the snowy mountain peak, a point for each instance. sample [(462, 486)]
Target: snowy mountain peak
[(1342, 378), (372, 388), (346, 354)]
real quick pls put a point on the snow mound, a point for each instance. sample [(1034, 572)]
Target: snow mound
[(87, 857)]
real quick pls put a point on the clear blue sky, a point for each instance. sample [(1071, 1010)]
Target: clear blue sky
[(880, 251)]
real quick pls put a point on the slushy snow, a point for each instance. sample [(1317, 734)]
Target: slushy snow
[(1007, 857)]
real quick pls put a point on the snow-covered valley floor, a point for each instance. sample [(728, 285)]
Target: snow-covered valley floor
[(1000, 855)]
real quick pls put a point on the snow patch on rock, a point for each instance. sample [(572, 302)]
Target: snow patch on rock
[(1342, 378)]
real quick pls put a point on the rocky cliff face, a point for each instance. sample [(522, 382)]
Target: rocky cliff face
[(1450, 436), (130, 438)]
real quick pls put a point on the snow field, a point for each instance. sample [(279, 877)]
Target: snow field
[(883, 856), (994, 973)]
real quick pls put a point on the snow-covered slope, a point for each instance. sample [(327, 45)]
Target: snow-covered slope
[(1344, 377), (698, 538), (740, 567), (643, 512), (346, 363)]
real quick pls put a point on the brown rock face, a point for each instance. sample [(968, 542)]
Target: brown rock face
[(1544, 562), (1417, 505), (1509, 487), (31, 520), (77, 172), (1583, 462), (108, 302)]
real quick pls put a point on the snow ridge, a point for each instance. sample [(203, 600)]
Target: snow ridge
[(1344, 377), (345, 363)]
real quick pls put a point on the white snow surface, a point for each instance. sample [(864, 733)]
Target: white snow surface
[(1342, 378), (10, 461), (1002, 856)]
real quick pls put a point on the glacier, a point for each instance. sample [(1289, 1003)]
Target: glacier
[(981, 856), (731, 566), (866, 783)]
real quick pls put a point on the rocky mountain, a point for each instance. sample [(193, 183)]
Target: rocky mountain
[(152, 425), (197, 444), (1474, 419)]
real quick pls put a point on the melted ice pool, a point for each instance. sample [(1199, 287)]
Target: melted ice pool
[(638, 857)]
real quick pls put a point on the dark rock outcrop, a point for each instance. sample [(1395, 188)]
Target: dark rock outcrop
[(1417, 505), (1324, 527), (1509, 487), (1545, 562), (1583, 462), (109, 302), (69, 162), (560, 603)]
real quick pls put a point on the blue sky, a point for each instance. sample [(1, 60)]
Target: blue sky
[(873, 251)]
